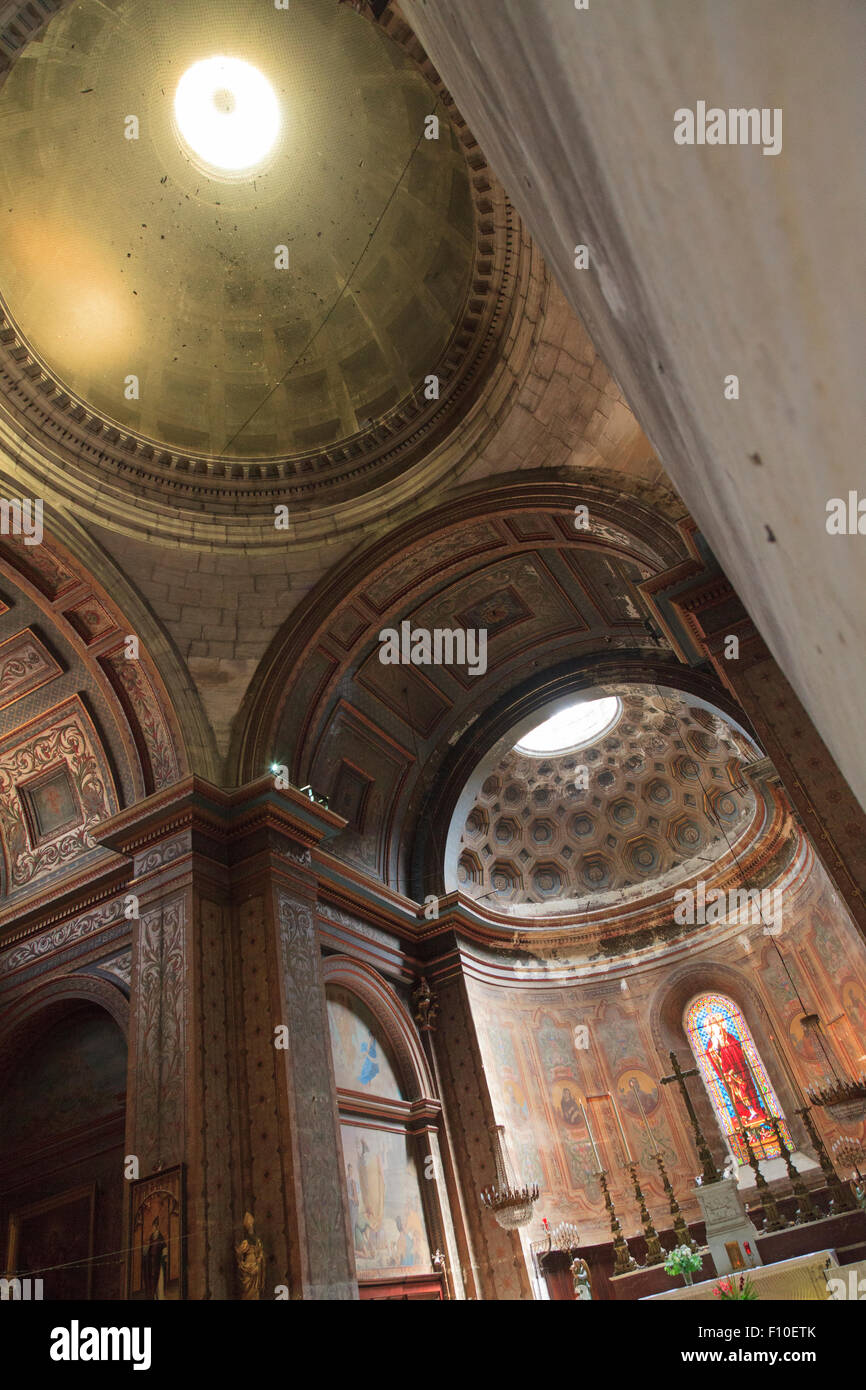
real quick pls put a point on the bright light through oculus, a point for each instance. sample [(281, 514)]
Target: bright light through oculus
[(579, 724), (227, 113)]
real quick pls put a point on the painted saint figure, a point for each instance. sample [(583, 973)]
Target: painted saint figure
[(154, 1262), (569, 1107), (725, 1054), (370, 1066), (372, 1180)]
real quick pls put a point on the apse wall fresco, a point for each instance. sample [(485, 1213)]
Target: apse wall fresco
[(538, 1070), (385, 1211)]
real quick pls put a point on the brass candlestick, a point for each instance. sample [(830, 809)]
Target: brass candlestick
[(623, 1261), (842, 1197), (654, 1253), (801, 1192), (681, 1230), (774, 1219)]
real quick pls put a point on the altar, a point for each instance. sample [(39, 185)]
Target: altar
[(815, 1278)]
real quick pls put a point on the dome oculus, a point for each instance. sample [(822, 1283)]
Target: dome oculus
[(227, 114), (579, 724)]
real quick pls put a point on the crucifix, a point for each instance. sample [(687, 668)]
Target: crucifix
[(711, 1172)]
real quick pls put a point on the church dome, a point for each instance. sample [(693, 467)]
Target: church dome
[(652, 798), (242, 323)]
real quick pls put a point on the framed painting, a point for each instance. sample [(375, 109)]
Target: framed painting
[(156, 1265), (52, 1240)]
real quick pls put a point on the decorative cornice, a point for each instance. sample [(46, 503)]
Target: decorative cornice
[(193, 804)]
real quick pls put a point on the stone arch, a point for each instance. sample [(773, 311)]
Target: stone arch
[(48, 1003), (666, 1013), (64, 1067), (491, 736), (83, 610), (319, 692), (394, 1018)]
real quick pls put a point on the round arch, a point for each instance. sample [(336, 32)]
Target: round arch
[(94, 617), (450, 539), (29, 1016), (451, 801), (368, 986), (666, 1020)]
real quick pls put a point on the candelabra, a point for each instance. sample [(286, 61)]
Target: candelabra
[(683, 1234), (654, 1253), (843, 1199), (510, 1204), (843, 1096), (806, 1209), (849, 1152), (564, 1237), (623, 1261), (773, 1219)]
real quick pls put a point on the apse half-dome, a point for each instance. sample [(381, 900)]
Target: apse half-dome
[(256, 313), (652, 798)]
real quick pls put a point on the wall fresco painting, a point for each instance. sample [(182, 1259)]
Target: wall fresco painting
[(387, 1218), (362, 1059)]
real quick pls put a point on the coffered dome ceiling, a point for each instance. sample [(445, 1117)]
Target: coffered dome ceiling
[(122, 258), (666, 798)]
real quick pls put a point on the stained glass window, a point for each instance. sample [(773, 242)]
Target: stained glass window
[(735, 1076)]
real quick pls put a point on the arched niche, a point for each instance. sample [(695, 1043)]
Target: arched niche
[(62, 1119), (667, 1013), (413, 1071), (389, 1123), (742, 1094)]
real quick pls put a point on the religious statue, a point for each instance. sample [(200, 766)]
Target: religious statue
[(250, 1257), (726, 1056), (582, 1281), (426, 1006)]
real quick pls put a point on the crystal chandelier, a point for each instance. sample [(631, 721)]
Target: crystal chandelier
[(848, 1153), (565, 1236), (511, 1205)]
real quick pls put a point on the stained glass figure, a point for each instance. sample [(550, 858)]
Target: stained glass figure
[(734, 1075)]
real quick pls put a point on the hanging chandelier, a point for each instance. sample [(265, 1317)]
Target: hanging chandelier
[(849, 1153), (511, 1204), (843, 1096)]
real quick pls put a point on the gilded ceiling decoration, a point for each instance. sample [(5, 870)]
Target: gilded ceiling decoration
[(145, 326), (665, 799), (84, 731)]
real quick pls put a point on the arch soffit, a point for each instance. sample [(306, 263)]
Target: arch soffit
[(23, 1021), (79, 607), (373, 590)]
